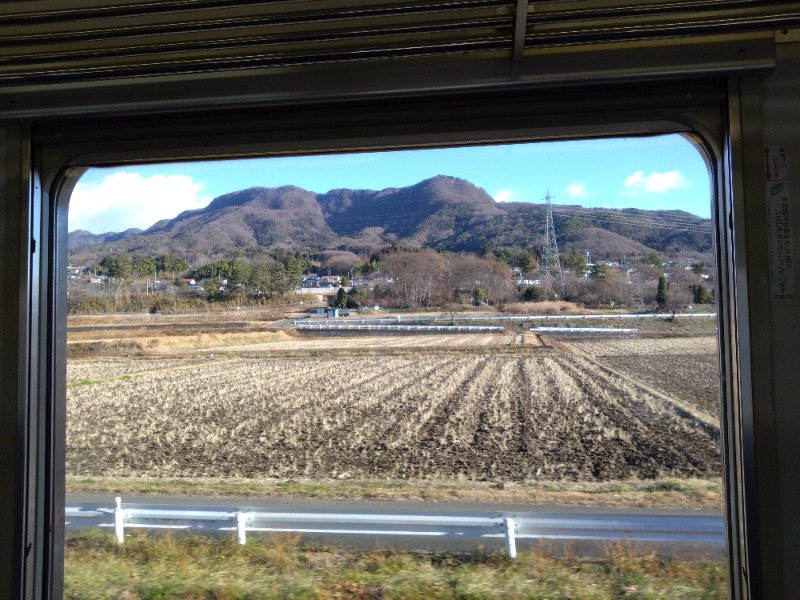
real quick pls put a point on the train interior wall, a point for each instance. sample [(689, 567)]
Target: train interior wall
[(781, 125), (772, 356)]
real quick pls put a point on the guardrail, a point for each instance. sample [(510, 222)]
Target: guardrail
[(415, 328), (586, 330), (242, 522), (400, 319), (510, 527)]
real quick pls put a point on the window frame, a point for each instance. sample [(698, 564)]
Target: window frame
[(713, 115)]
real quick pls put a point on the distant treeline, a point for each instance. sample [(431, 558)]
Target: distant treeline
[(410, 277)]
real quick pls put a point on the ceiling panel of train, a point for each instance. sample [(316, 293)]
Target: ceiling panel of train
[(96, 42)]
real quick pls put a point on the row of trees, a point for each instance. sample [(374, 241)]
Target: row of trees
[(424, 277), (640, 285), (123, 266), (262, 276)]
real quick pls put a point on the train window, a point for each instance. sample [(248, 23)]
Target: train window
[(521, 331)]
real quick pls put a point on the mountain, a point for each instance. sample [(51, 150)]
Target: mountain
[(287, 217), (602, 244), (248, 218), (445, 213), (81, 237), (428, 213)]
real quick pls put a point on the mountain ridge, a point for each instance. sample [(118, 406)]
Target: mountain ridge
[(442, 212)]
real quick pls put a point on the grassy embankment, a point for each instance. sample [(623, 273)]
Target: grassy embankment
[(279, 567)]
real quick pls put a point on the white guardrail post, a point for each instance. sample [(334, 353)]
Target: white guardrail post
[(241, 527), (511, 542), (119, 522)]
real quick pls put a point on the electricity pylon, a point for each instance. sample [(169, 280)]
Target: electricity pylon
[(550, 269)]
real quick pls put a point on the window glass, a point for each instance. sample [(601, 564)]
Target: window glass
[(519, 329)]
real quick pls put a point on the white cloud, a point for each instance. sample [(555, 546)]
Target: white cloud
[(123, 200), (656, 183), (577, 190), (504, 196)]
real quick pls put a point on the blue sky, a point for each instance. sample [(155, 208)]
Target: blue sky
[(655, 173)]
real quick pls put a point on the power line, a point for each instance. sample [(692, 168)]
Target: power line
[(551, 263), (636, 219), (350, 225)]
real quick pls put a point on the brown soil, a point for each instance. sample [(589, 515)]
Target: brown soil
[(499, 418)]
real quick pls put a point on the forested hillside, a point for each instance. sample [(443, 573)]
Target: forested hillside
[(442, 213)]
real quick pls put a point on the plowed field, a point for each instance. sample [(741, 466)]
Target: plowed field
[(510, 417), (686, 369)]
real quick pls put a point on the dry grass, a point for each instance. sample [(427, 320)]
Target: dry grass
[(544, 308), (82, 372), (123, 344), (204, 341), (287, 343), (389, 342), (706, 344), (169, 331), (250, 314), (656, 494), (280, 567)]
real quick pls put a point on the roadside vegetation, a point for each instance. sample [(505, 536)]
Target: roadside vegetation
[(656, 494), (98, 568)]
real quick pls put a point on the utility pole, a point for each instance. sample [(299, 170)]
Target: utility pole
[(551, 263)]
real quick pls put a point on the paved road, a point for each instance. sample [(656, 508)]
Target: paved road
[(586, 530)]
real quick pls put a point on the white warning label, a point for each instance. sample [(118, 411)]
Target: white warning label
[(776, 164), (780, 240)]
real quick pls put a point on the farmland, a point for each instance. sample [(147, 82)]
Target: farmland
[(480, 408), (684, 368)]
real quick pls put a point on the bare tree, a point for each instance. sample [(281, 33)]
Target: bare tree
[(479, 279), (679, 293), (417, 274)]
